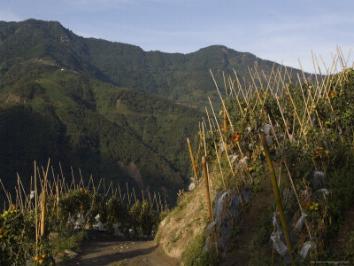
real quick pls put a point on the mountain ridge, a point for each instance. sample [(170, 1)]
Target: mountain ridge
[(182, 77), (106, 102)]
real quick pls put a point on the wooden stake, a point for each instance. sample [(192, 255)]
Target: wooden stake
[(36, 203), (194, 166), (206, 176), (44, 201), (277, 196)]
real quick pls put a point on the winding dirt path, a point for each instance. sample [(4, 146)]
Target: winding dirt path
[(119, 253)]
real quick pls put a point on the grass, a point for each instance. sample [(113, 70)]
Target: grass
[(196, 254), (61, 242)]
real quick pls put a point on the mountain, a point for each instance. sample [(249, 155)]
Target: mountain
[(110, 108), (181, 77)]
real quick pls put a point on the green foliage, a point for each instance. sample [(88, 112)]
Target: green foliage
[(25, 135), (134, 213), (195, 254), (115, 210), (349, 248), (76, 201), (147, 218), (341, 183), (15, 228), (67, 241)]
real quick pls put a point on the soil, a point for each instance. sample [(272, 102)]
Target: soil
[(184, 223), (102, 251)]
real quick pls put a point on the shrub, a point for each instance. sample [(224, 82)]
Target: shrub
[(15, 228)]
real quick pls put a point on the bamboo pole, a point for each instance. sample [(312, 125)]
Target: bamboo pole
[(239, 85), (160, 202), (296, 112), (236, 96), (134, 195), (120, 193), (219, 165), (277, 196), (204, 144), (283, 118), (57, 197), (72, 185), (206, 176), (36, 203), (81, 179), (20, 200), (225, 121), (5, 191), (225, 147), (154, 201), (150, 199), (63, 187), (17, 199), (44, 202), (291, 180), (23, 191), (30, 191), (128, 194), (227, 115), (194, 166)]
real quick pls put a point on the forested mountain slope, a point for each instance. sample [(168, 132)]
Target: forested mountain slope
[(112, 109)]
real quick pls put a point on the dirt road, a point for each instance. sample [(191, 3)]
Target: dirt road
[(114, 253)]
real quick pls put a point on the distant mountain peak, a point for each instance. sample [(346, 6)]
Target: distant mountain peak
[(181, 77)]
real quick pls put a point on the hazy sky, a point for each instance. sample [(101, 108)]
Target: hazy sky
[(282, 31)]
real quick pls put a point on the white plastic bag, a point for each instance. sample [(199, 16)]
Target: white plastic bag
[(300, 223), (278, 245), (79, 222), (32, 194), (99, 226), (306, 248), (267, 128)]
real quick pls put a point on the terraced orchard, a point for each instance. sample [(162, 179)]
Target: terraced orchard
[(273, 174)]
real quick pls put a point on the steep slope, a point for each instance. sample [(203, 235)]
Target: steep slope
[(160, 123), (244, 227), (93, 125)]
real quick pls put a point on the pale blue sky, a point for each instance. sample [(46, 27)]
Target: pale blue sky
[(282, 31)]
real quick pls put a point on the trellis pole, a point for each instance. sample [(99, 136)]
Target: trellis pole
[(277, 196), (206, 176)]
